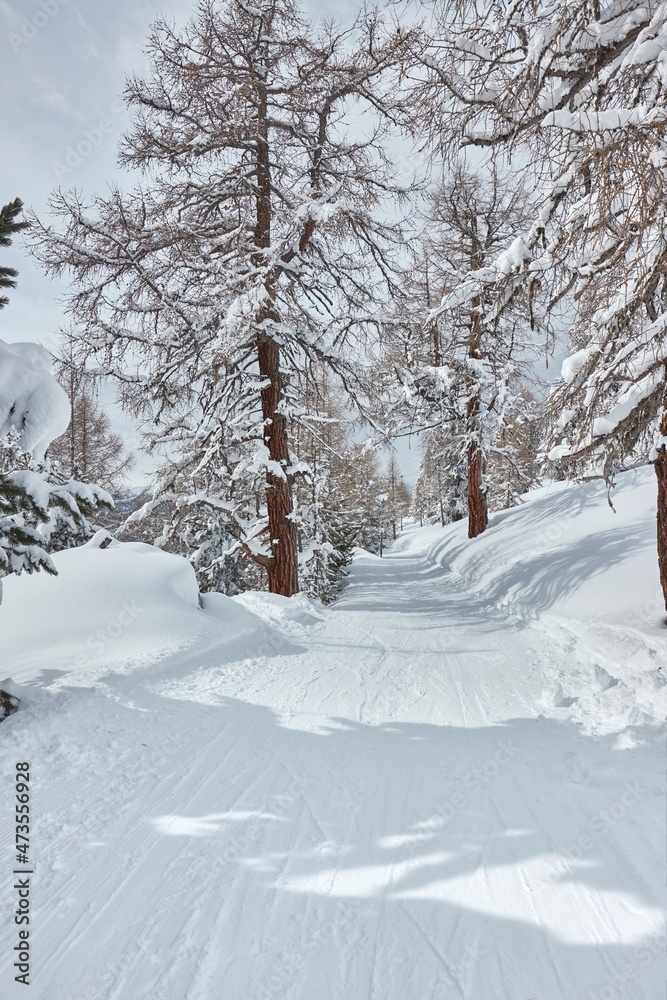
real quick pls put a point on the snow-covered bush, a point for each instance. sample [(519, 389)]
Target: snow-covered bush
[(38, 512)]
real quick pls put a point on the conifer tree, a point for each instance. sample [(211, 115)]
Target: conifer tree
[(9, 226), (21, 547), (89, 450), (440, 492), (363, 485), (459, 369), (574, 94), (254, 247), (398, 496), (513, 459), (34, 505)]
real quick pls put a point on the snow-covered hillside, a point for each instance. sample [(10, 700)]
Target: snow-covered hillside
[(586, 568), (450, 784)]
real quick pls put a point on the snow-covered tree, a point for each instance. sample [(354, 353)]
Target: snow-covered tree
[(34, 506), (204, 513), (461, 370), (254, 246), (512, 467), (398, 495), (575, 94), (89, 449), (362, 484), (341, 499), (321, 440), (37, 508), (345, 499), (440, 492)]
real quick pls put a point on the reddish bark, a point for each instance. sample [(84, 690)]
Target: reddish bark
[(282, 567), (477, 506), (661, 474)]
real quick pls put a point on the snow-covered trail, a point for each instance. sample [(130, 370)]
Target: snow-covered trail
[(381, 811)]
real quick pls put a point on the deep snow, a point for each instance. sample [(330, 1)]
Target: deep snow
[(449, 785)]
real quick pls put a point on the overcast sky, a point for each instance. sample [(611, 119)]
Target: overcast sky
[(63, 67)]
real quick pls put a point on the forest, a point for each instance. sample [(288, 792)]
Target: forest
[(441, 224), (333, 500)]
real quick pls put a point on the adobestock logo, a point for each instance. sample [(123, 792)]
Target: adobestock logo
[(91, 139), (30, 27)]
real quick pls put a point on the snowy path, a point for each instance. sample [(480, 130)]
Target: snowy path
[(381, 812)]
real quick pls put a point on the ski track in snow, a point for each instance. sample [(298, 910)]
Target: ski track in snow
[(386, 812)]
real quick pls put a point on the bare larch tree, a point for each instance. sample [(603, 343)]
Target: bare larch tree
[(253, 245), (574, 94)]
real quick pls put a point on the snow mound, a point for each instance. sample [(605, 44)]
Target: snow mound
[(119, 606), (332, 810), (566, 551), (292, 615)]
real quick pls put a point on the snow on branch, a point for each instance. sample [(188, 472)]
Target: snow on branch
[(32, 403)]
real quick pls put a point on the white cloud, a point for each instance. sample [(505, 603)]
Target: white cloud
[(47, 97)]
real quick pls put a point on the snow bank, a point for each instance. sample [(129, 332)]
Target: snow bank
[(396, 805), (586, 575), (567, 551), (119, 607), (292, 615)]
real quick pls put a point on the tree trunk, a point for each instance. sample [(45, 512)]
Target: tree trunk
[(477, 505), (72, 428), (282, 568), (661, 474), (477, 508)]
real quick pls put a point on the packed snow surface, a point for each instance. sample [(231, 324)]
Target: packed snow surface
[(450, 784)]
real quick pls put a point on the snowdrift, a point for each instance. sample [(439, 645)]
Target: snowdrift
[(122, 606), (567, 551), (448, 784), (587, 572)]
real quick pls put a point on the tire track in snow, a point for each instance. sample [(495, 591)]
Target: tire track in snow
[(152, 909), (197, 917)]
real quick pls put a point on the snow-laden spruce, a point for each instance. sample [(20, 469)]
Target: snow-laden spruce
[(38, 508)]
